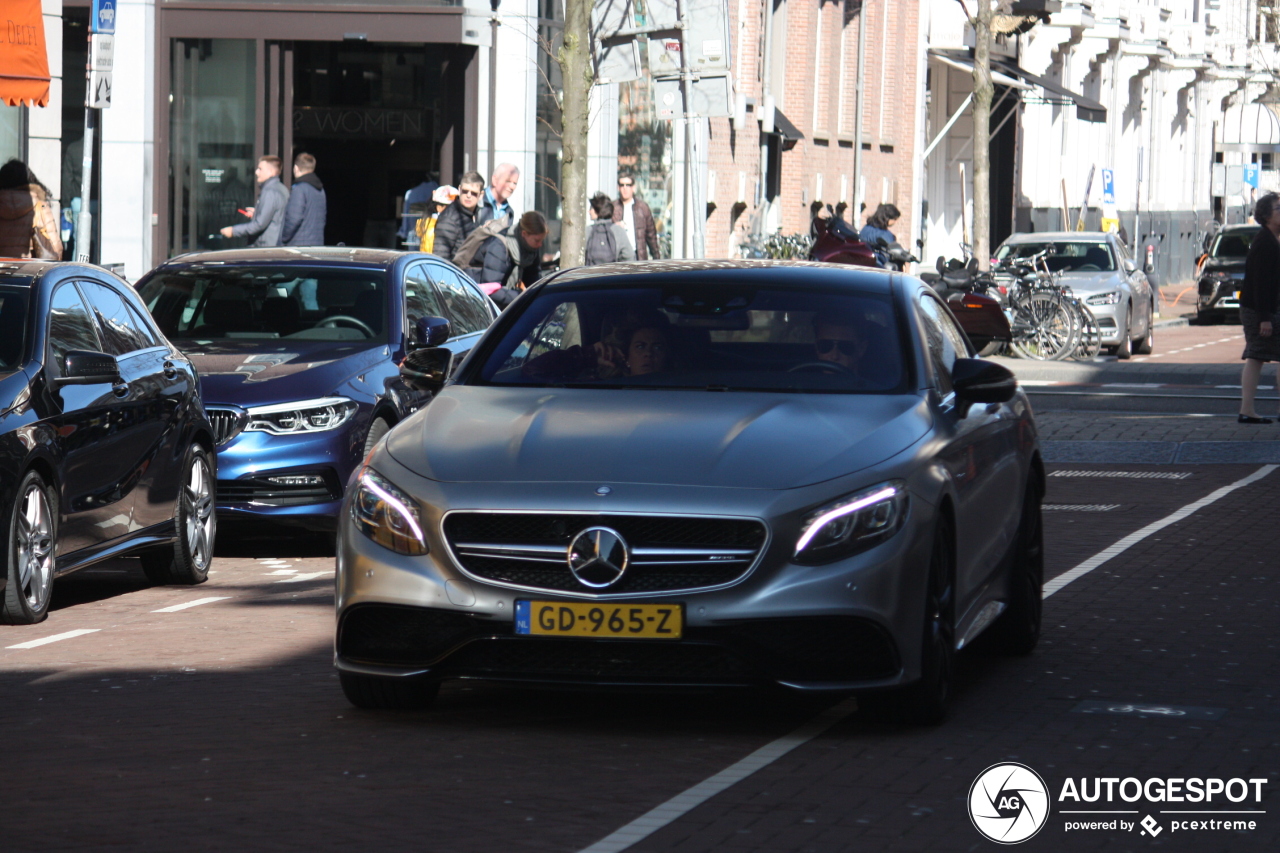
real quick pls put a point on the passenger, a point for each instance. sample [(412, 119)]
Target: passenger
[(637, 346)]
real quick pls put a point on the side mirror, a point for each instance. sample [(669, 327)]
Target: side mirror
[(1129, 266), (977, 380), (427, 369), (430, 332), (80, 367)]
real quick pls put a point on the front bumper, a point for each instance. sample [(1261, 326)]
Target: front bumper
[(852, 624), (1219, 295), (293, 479)]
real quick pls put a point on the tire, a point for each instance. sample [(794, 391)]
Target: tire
[(377, 430), (376, 693), (1124, 349), (187, 562), (1045, 328), (1146, 344), (1017, 631), (33, 533), (992, 348)]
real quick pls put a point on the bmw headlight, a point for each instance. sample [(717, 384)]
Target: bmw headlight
[(852, 524), (1109, 298), (382, 511), (304, 416)]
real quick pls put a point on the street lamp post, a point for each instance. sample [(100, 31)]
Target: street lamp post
[(494, 22)]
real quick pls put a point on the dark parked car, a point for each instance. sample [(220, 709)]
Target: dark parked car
[(716, 473), (298, 352), (1223, 273), (104, 447)]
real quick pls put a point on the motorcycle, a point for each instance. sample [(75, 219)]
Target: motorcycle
[(972, 296), (835, 242)]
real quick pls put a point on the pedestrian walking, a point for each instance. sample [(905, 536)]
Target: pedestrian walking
[(636, 219), (1259, 299), (607, 241), (514, 257), (502, 185), (426, 227), (459, 219), (28, 226), (266, 219), (877, 228), (304, 215)]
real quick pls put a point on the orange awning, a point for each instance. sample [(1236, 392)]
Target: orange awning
[(24, 59)]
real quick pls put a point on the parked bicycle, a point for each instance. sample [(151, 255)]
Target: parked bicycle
[(1049, 322)]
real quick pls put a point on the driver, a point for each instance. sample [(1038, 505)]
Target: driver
[(839, 340)]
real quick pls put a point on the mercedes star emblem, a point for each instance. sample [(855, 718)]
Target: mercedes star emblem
[(603, 491), (598, 557)]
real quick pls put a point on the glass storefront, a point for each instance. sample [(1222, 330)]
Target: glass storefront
[(10, 133), (644, 151), (211, 135)]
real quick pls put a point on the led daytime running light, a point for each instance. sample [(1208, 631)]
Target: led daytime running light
[(367, 482), (839, 512)]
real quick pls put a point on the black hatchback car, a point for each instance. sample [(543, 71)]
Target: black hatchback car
[(105, 449), (1223, 273)]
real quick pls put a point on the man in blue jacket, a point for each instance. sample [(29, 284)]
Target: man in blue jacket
[(305, 214), (267, 217)]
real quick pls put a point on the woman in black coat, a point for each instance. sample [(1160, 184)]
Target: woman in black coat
[(1259, 299)]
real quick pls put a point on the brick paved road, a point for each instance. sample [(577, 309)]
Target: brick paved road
[(221, 726)]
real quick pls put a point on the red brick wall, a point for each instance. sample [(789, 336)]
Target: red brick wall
[(811, 96)]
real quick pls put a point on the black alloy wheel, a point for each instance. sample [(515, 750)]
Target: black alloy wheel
[(33, 534), (1017, 631), (1147, 343)]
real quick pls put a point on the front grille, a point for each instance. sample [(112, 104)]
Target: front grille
[(668, 553), (226, 423), (453, 644), (260, 491)]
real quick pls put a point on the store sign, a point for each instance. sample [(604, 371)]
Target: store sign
[(102, 17), (101, 60), (355, 122)]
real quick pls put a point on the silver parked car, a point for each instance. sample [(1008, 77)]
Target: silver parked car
[(1097, 267), (698, 473)]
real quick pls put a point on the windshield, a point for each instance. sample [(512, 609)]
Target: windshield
[(1063, 255), (270, 302), (13, 326), (1234, 244), (721, 338)]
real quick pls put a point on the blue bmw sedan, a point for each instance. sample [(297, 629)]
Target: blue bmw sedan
[(298, 353)]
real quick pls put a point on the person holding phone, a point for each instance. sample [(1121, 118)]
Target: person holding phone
[(267, 218)]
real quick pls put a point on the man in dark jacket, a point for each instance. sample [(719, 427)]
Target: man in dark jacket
[(304, 217), (636, 219), (460, 218), (514, 258), (267, 218)]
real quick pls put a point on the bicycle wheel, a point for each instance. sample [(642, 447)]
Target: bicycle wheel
[(1089, 339), (1044, 329)]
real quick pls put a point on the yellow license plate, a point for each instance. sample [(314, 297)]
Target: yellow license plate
[(588, 619)]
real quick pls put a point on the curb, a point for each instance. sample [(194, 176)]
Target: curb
[(1172, 323), (1162, 452)]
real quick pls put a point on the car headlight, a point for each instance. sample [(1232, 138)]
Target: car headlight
[(1110, 298), (382, 511), (303, 416), (852, 524)]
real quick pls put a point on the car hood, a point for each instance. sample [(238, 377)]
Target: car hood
[(678, 438), (1224, 264), (255, 373), (1094, 282)]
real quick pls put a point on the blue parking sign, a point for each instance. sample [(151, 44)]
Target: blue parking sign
[(102, 17), (1108, 187), (1251, 174)]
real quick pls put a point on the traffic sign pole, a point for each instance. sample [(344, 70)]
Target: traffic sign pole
[(97, 96)]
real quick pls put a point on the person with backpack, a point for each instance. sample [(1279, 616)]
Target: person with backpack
[(514, 257), (607, 241)]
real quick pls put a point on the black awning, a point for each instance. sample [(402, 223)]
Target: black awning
[(1087, 109), (783, 127)]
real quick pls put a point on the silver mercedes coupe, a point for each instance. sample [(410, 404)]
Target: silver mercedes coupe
[(707, 474)]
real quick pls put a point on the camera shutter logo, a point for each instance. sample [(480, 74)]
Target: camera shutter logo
[(1009, 803)]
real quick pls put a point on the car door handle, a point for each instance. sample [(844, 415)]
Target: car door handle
[(169, 370), (121, 389)]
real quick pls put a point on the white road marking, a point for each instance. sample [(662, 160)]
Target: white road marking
[(1132, 539), (1079, 507), (66, 635), (1136, 475), (184, 605), (308, 576), (681, 804), (285, 572)]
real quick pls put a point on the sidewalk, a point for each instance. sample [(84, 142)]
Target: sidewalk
[(1116, 437)]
